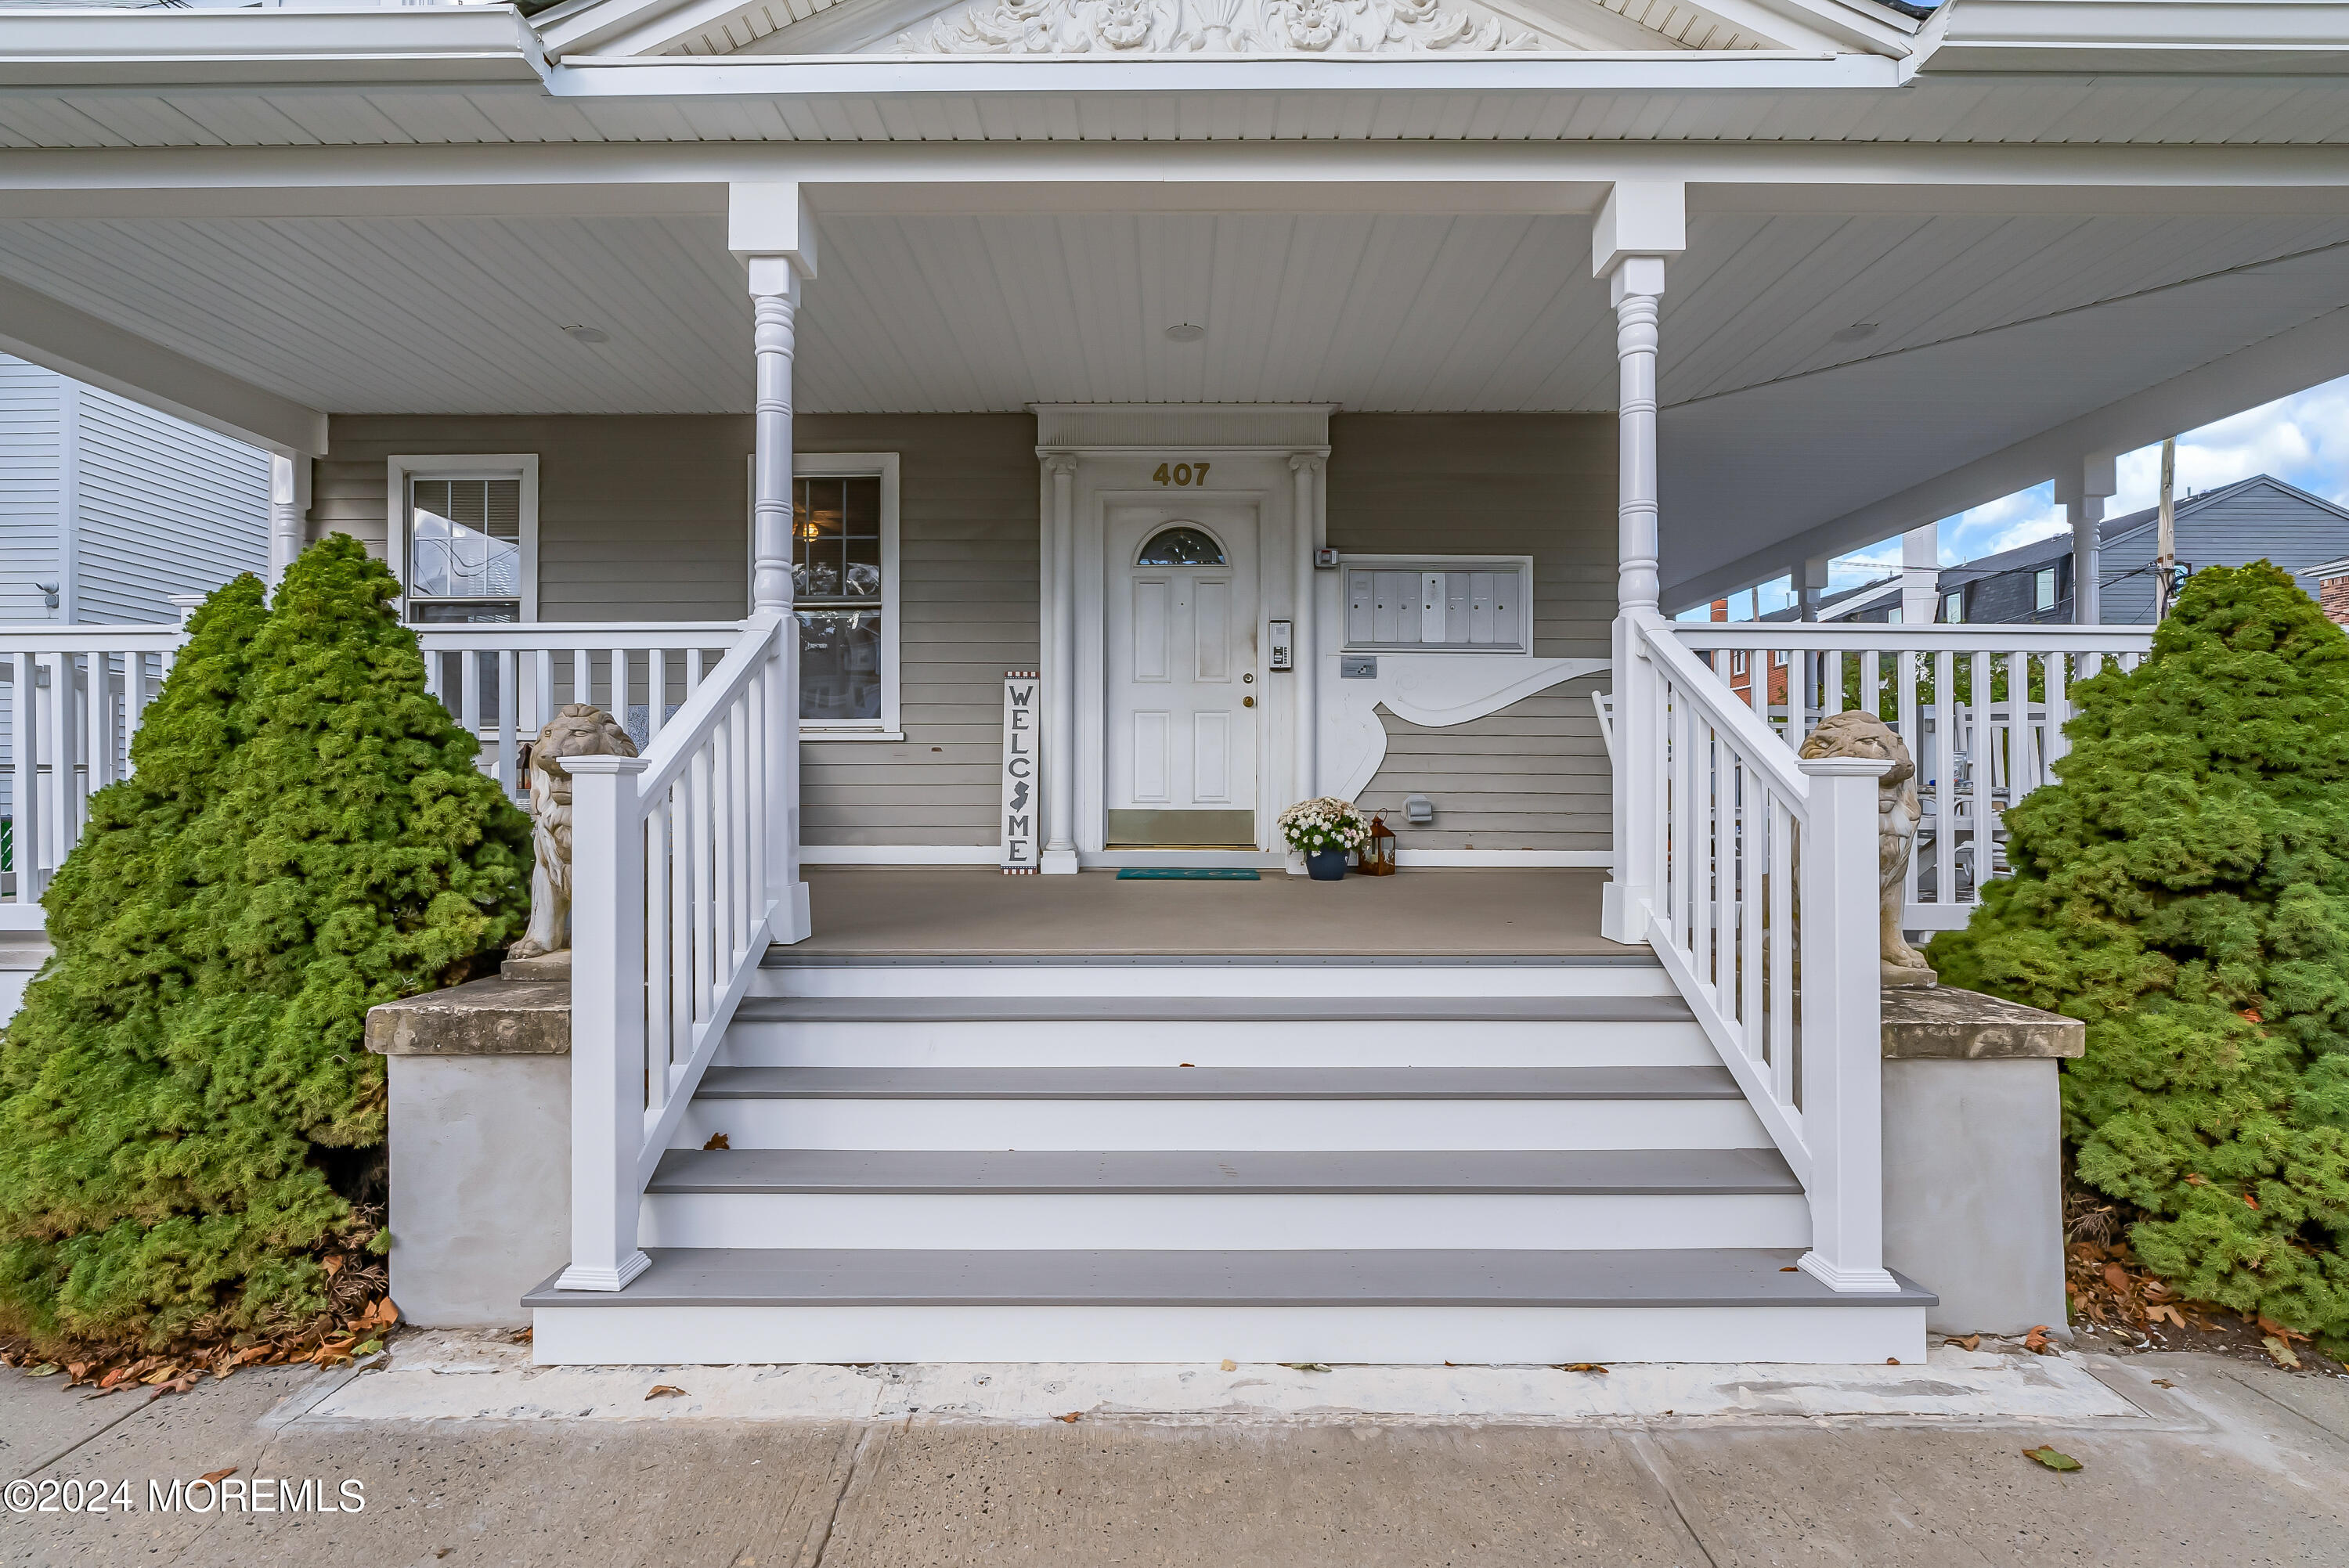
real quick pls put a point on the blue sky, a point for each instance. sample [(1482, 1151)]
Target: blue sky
[(2302, 439)]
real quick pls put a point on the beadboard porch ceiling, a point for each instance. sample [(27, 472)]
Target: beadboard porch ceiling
[(1811, 362)]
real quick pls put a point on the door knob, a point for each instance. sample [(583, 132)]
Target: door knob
[(1247, 702)]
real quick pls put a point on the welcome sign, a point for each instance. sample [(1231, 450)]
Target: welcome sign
[(1022, 724)]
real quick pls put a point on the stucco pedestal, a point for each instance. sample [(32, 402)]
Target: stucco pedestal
[(481, 1147), (1972, 1156)]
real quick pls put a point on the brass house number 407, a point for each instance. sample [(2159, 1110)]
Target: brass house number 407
[(1182, 474)]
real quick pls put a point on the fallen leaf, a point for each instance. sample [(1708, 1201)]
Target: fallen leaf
[(2158, 1311), (718, 1140), (333, 1264), (160, 1375), (218, 1476), (1072, 1418), (1305, 1366), (2249, 1015), (77, 1370), (522, 1336), (1186, 1064), (1893, 1361), (2036, 1341), (46, 1370), (1592, 1367), (2117, 1278), (1971, 1342), (2051, 1458), (2196, 1178), (2163, 1382), (1230, 1364), (663, 1390), (442, 1551), (2281, 1353), (2250, 1201), (1790, 1269)]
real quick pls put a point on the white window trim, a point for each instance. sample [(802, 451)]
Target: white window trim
[(401, 468), (836, 465), (1521, 564)]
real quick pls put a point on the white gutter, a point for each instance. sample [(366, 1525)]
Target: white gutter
[(408, 44), (864, 76), (2192, 38)]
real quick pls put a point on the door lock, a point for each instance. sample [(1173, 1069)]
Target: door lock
[(1248, 679), (1247, 702)]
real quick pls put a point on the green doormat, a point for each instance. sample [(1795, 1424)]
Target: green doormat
[(1185, 873)]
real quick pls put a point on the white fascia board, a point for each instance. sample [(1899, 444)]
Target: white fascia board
[(71, 342), (104, 48), (2166, 36), (867, 76), (2291, 361)]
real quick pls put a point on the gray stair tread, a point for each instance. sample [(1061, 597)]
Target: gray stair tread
[(727, 1276), (1214, 1009), (1220, 1083), (996, 1173)]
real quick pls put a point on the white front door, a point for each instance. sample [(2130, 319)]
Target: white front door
[(1183, 691)]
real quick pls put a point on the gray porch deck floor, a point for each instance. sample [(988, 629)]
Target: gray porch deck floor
[(1208, 1009), (1417, 913), (1661, 1277)]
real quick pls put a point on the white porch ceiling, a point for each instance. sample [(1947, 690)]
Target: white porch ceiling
[(1779, 414), (960, 313)]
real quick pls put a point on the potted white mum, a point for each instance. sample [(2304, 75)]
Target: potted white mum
[(1323, 830)]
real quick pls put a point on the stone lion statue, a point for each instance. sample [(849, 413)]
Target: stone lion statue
[(1855, 732), (579, 729)]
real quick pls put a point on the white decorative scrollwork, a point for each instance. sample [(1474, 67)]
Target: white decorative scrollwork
[(1217, 26)]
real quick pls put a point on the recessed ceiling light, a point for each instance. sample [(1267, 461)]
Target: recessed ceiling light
[(1186, 331), (589, 334), (1854, 331)]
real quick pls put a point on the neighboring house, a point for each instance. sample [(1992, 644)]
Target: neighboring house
[(108, 507), (2259, 518), (2331, 580), (1324, 399)]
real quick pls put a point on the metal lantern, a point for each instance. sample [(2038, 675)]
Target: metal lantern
[(1378, 851)]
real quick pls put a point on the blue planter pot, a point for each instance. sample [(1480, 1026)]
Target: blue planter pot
[(1325, 865)]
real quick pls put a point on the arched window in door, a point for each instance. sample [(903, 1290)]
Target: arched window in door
[(1181, 545)]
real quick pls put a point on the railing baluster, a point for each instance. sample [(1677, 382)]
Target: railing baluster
[(509, 772)]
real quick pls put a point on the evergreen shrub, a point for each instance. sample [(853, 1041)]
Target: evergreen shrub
[(187, 1108), (2184, 890)]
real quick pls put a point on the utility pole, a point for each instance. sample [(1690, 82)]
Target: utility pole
[(2165, 567)]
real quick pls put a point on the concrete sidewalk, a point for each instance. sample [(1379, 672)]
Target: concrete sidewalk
[(2232, 1463)]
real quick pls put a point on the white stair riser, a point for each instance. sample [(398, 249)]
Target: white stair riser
[(1384, 1043), (915, 978), (1321, 1124), (1418, 1335), (1212, 1221)]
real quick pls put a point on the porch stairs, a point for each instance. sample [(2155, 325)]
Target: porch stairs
[(1184, 1160)]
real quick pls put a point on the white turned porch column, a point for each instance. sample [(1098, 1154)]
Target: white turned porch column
[(772, 230), (289, 505), (1640, 226), (2083, 487), (1305, 647), (1059, 857)]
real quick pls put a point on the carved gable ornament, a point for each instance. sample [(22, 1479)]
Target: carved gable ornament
[(1218, 28)]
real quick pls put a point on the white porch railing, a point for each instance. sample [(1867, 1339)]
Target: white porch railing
[(1759, 878), (90, 685), (70, 697), (682, 859), (504, 682), (1981, 707)]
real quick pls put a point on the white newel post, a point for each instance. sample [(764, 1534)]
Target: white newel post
[(1842, 1041), (607, 1021), (1640, 225), (289, 503), (1061, 675), (1305, 647), (773, 230)]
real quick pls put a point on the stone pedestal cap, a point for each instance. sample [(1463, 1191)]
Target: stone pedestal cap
[(1945, 1024)]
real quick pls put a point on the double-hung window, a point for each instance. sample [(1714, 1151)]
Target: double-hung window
[(846, 591), (464, 540), (2042, 596)]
